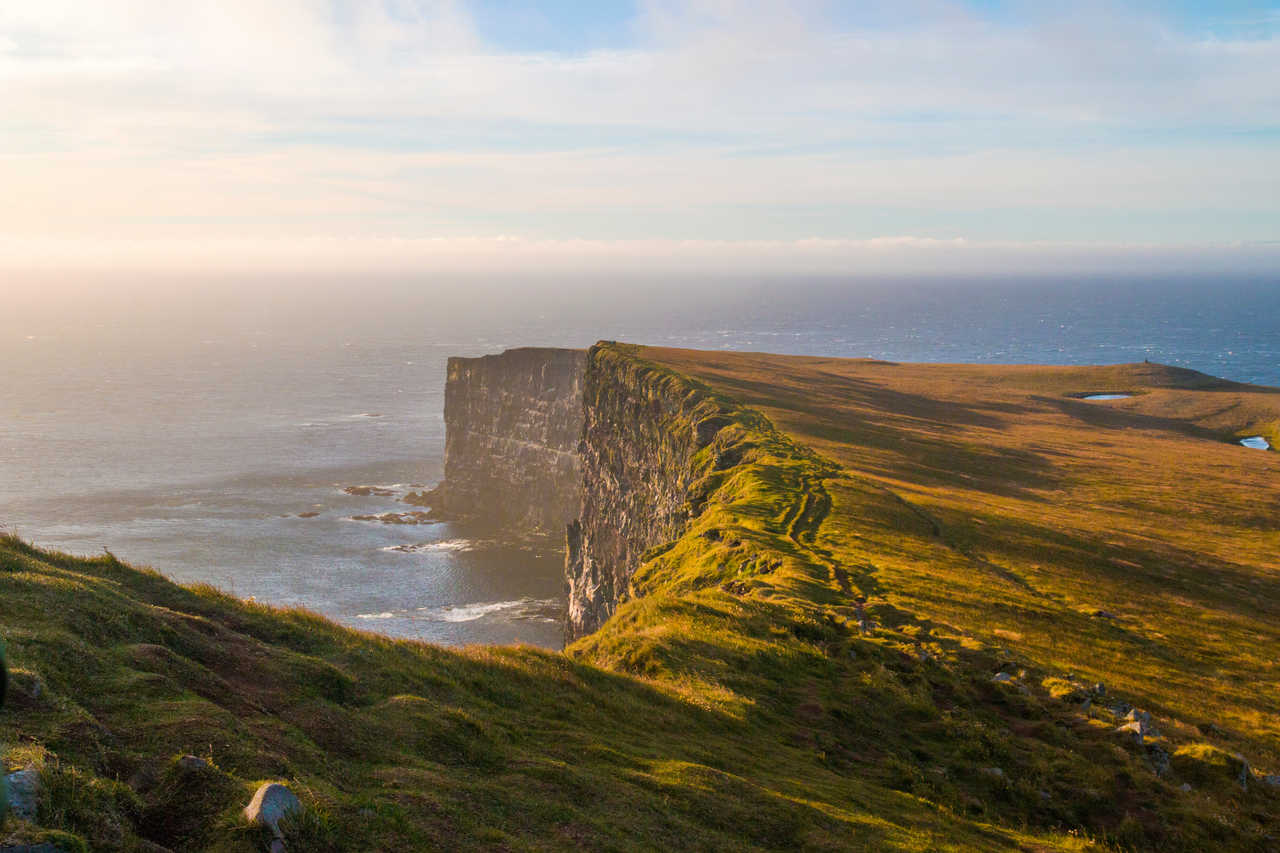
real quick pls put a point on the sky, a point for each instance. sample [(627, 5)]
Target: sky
[(712, 134)]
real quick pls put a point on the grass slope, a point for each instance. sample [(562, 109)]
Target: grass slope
[(733, 702)]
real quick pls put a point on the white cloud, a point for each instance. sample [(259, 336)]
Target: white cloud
[(145, 120)]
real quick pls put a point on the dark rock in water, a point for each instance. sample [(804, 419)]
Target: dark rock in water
[(311, 514), (369, 492), (24, 793), (425, 498), (270, 804)]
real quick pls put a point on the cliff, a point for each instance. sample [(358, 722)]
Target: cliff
[(642, 428), (512, 423)]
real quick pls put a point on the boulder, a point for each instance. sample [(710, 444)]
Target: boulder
[(24, 793), (1133, 730), (1143, 721), (1001, 677), (270, 804)]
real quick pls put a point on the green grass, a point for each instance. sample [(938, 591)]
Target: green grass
[(731, 703)]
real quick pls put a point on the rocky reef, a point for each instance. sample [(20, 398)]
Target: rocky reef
[(641, 430), (512, 424)]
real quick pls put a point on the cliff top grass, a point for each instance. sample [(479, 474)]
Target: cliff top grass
[(743, 697)]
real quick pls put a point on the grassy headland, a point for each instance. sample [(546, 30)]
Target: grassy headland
[(742, 698)]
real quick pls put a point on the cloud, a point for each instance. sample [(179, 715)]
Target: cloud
[(146, 121)]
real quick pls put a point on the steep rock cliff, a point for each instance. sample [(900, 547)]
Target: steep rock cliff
[(512, 425), (643, 428)]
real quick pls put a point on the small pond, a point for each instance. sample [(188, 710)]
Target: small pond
[(1106, 396), (1257, 442)]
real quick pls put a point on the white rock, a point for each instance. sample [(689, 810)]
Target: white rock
[(1134, 729), (271, 803)]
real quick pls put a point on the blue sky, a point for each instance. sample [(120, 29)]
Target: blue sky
[(415, 132)]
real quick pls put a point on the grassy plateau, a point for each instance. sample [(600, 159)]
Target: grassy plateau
[(910, 611)]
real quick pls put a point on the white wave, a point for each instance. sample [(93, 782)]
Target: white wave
[(438, 545), (521, 609), (471, 612)]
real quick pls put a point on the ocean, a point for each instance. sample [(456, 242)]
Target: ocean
[(209, 429)]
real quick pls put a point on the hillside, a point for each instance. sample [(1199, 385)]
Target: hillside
[(1015, 547)]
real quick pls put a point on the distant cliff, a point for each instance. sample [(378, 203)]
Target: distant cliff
[(512, 425)]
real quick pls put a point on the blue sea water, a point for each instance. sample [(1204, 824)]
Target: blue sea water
[(188, 425)]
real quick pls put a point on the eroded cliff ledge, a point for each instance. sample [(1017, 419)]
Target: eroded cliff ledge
[(512, 425), (642, 429)]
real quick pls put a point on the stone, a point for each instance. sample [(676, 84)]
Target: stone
[(24, 793), (191, 762), (1273, 780), (1143, 720), (1186, 788), (994, 772), (1001, 677), (42, 847), (1160, 760), (270, 804), (1133, 730)]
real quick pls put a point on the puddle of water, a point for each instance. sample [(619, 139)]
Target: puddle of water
[(1106, 396), (1257, 442)]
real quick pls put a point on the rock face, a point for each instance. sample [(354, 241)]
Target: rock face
[(641, 429), (512, 425)]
